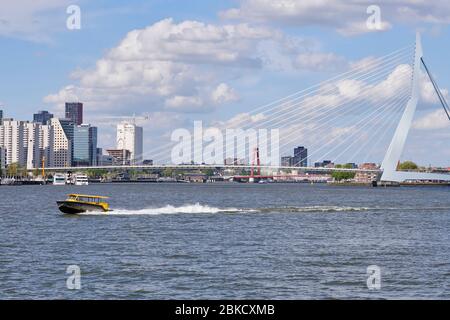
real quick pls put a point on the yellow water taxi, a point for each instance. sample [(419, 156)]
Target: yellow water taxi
[(79, 203)]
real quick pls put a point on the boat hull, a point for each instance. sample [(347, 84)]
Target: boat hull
[(71, 207)]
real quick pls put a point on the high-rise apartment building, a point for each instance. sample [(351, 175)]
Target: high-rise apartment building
[(74, 112), (12, 139), (62, 142), (130, 137), (26, 144)]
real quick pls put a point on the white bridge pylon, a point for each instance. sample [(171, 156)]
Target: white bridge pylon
[(394, 152)]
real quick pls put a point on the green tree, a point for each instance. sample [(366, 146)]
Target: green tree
[(245, 172), (343, 175), (12, 169), (96, 173), (168, 172), (407, 165)]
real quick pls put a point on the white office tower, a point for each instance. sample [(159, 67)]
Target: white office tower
[(12, 135), (61, 153), (130, 137)]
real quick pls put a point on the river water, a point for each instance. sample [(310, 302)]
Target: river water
[(227, 241)]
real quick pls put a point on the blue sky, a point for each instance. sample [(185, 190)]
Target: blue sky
[(239, 70)]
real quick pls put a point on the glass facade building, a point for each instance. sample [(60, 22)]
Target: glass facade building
[(42, 117), (84, 145), (300, 157)]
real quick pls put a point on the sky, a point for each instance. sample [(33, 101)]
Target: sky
[(180, 61)]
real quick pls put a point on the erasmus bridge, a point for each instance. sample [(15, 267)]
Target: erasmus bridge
[(364, 113)]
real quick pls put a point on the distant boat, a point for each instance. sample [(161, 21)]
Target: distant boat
[(79, 203), (81, 180), (59, 179)]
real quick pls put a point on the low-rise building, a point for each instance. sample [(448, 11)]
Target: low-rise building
[(234, 162), (195, 177), (366, 177), (147, 162), (287, 161), (324, 164), (104, 160), (121, 157)]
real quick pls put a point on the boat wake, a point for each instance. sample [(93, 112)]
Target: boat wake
[(315, 209), (169, 209), (205, 209)]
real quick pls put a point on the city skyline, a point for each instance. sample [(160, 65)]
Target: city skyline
[(63, 142)]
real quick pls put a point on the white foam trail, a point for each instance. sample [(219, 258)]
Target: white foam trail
[(205, 209), (313, 209), (169, 209)]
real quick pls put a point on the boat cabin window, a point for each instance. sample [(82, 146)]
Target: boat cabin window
[(83, 198)]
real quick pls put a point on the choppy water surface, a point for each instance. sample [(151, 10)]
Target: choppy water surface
[(214, 241)]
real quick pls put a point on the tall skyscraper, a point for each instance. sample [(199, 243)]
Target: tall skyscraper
[(93, 131), (84, 145), (74, 112), (1, 116), (130, 137), (300, 157), (42, 117)]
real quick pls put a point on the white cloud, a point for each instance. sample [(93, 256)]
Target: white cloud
[(184, 103), (184, 66), (433, 120), (348, 17), (171, 65), (357, 94), (427, 92), (240, 120), (223, 93), (29, 19), (318, 61), (193, 42)]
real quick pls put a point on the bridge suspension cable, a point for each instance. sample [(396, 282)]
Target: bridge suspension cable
[(372, 70), (342, 102)]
